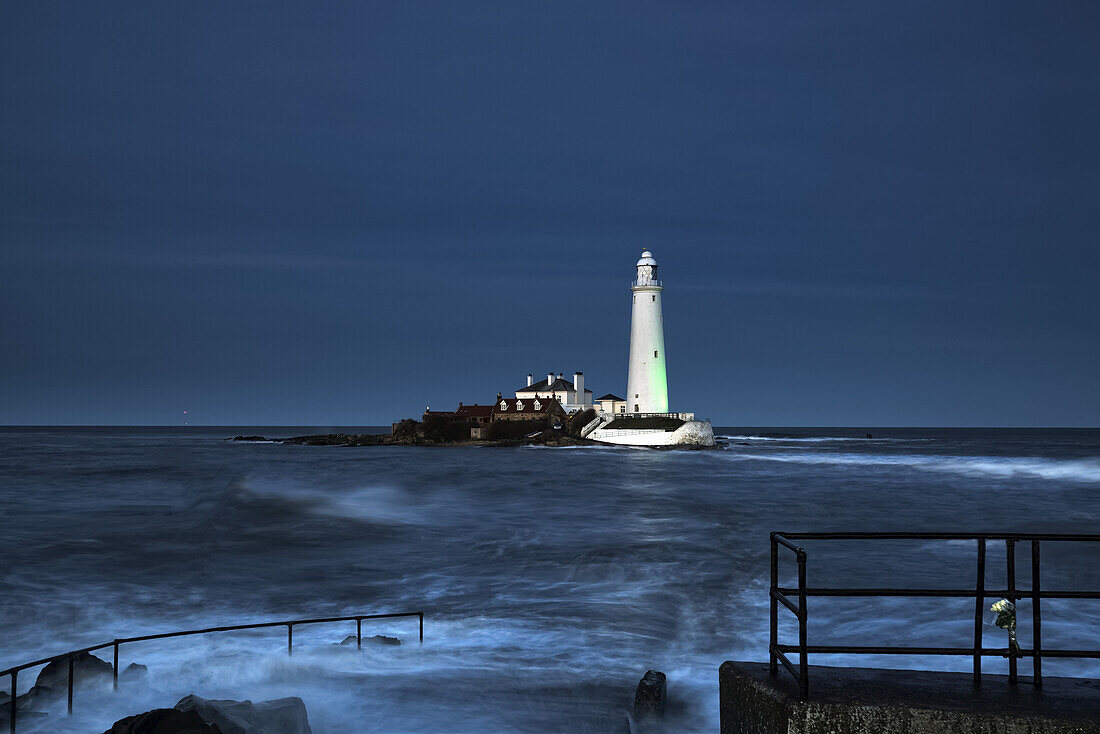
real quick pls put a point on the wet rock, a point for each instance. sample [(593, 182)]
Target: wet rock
[(373, 640), (248, 438), (649, 698), (382, 640), (281, 716), (37, 697), (88, 670), (164, 721), (133, 671), (25, 716)]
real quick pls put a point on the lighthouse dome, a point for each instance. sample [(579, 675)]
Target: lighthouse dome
[(647, 259)]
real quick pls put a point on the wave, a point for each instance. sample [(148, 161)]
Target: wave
[(1078, 470), (583, 447), (380, 504), (822, 439)]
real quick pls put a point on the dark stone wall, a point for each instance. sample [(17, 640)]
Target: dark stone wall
[(859, 700)]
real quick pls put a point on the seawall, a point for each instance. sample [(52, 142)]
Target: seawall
[(857, 700)]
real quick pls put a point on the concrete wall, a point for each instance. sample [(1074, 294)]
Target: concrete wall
[(858, 700), (692, 433)]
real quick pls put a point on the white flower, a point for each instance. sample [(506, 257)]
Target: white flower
[(1004, 605)]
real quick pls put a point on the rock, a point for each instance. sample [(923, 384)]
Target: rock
[(25, 715), (248, 438), (164, 721), (649, 699), (281, 716), (38, 696), (382, 640), (374, 640), (87, 670), (133, 671)]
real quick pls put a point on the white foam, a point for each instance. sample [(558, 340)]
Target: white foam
[(380, 503), (1076, 470), (821, 439)]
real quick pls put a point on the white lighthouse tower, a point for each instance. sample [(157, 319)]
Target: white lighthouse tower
[(627, 423), (647, 382)]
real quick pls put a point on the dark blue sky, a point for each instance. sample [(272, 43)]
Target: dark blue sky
[(866, 213)]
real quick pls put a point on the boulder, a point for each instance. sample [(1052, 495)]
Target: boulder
[(281, 716), (133, 671), (38, 696), (27, 703), (373, 640), (25, 716), (87, 670), (649, 698), (164, 721), (382, 640)]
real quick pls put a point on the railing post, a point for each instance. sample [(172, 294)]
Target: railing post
[(1010, 557), (358, 634), (115, 671), (421, 615), (979, 610), (70, 684), (1036, 618), (773, 638), (290, 639), (14, 699), (803, 664)]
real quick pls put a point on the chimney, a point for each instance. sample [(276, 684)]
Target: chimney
[(529, 379), (550, 379), (578, 383)]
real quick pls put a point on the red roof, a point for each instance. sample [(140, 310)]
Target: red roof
[(475, 411)]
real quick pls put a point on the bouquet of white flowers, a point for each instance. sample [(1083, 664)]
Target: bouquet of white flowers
[(1006, 620)]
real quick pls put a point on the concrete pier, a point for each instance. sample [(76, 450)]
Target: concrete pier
[(851, 700)]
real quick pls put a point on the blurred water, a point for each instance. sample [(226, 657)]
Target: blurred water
[(551, 579)]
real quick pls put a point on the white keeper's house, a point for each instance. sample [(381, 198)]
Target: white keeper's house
[(573, 396)]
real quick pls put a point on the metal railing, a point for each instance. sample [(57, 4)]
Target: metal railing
[(592, 425), (116, 643), (781, 595)]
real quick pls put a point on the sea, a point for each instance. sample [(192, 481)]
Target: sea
[(550, 579)]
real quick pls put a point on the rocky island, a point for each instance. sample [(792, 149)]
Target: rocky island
[(437, 429)]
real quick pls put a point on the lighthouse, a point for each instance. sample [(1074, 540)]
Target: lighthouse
[(625, 422), (647, 384)]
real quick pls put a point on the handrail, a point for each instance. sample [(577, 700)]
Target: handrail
[(116, 643), (779, 594), (1083, 537), (591, 426)]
